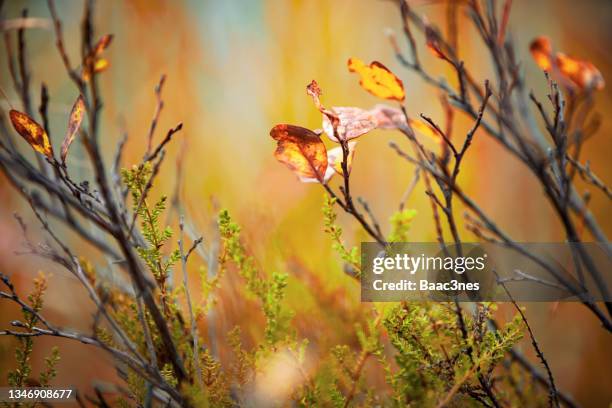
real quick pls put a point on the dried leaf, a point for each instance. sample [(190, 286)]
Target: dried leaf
[(74, 122), (315, 92), (32, 132), (582, 74), (387, 117), (352, 123), (301, 150), (541, 51), (377, 79)]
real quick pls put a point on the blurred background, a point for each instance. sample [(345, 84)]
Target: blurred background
[(235, 69)]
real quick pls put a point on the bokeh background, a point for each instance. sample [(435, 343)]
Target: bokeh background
[(236, 68)]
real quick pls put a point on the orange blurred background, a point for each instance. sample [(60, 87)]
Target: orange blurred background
[(235, 69)]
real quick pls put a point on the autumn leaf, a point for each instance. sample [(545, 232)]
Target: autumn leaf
[(387, 117), (541, 51), (582, 74), (572, 72), (32, 132), (301, 150), (74, 122), (352, 123), (94, 62), (377, 79)]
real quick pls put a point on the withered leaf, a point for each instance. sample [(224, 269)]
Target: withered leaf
[(387, 117), (301, 150), (74, 122), (32, 132), (377, 79), (352, 123)]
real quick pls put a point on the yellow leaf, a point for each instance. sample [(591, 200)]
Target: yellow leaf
[(377, 79), (334, 158), (424, 129), (101, 65), (32, 132), (74, 122), (301, 150)]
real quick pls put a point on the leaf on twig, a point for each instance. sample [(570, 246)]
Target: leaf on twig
[(94, 62), (302, 151), (32, 132), (392, 118), (572, 72), (378, 80), (352, 123), (74, 122)]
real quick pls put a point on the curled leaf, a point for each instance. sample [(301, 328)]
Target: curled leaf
[(32, 132), (315, 92), (377, 79), (352, 123), (74, 122), (541, 51), (301, 150)]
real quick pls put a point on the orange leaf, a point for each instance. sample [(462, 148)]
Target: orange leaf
[(582, 74), (32, 132), (102, 44), (541, 51), (301, 150), (352, 123), (74, 122), (377, 79)]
